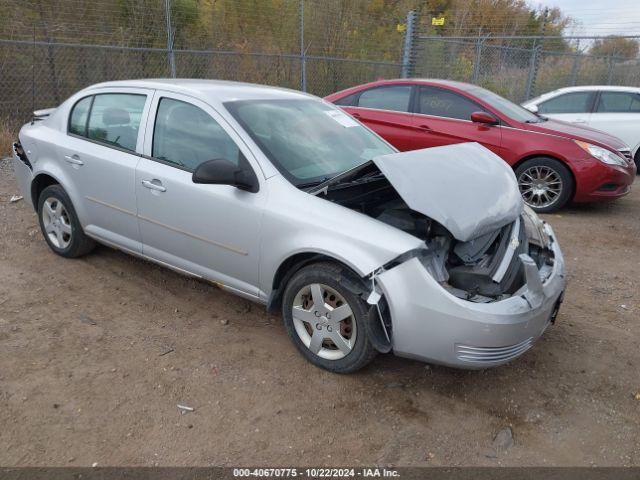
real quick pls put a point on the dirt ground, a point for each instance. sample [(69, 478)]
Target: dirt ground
[(85, 375)]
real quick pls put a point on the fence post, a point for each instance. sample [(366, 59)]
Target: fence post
[(170, 54), (532, 70), (408, 49), (535, 58), (610, 70), (576, 65), (476, 65), (303, 56), (574, 69)]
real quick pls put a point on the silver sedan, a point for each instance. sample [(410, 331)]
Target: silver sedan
[(284, 199)]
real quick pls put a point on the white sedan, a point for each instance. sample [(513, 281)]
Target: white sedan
[(615, 110)]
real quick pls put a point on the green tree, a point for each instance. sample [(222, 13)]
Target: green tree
[(626, 48)]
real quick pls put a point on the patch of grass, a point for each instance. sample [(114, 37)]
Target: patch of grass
[(8, 135)]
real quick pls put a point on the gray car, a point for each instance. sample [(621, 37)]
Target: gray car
[(284, 199)]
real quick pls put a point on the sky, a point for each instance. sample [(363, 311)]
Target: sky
[(599, 17)]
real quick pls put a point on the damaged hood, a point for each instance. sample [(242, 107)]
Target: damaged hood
[(464, 187)]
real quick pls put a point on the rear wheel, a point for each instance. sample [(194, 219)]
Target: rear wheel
[(545, 184), (60, 225), (325, 320)]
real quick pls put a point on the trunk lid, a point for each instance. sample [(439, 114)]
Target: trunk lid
[(464, 187)]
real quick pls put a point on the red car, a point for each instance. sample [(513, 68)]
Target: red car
[(555, 162)]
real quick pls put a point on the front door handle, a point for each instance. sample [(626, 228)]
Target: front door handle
[(356, 115), (73, 159), (424, 128), (579, 120), (154, 184)]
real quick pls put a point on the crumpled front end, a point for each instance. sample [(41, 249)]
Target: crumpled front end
[(432, 320), (23, 170)]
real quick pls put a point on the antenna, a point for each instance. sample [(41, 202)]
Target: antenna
[(33, 76)]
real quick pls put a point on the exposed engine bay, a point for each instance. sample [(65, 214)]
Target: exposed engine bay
[(483, 269)]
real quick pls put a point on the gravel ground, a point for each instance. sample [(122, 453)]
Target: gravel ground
[(96, 353)]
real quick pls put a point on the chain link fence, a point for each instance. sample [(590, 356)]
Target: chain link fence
[(49, 50), (518, 73), (44, 74)]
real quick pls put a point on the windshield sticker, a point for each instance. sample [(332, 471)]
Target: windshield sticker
[(342, 118)]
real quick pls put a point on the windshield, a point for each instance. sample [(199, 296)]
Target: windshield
[(506, 107), (307, 140)]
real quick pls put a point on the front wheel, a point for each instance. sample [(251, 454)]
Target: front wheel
[(545, 184), (325, 320)]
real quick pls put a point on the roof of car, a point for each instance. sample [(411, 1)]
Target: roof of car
[(446, 83), (613, 88), (412, 81), (582, 88), (221, 90)]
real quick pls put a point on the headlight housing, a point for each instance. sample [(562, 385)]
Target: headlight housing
[(602, 154), (535, 228)]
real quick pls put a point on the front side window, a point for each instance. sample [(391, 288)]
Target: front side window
[(308, 141), (186, 136), (619, 102), (575, 102), (79, 115), (443, 103), (395, 98), (115, 119)]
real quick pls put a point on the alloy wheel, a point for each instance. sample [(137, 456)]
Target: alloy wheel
[(57, 223), (540, 186), (324, 321)]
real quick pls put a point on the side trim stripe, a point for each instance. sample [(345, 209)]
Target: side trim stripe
[(231, 248)]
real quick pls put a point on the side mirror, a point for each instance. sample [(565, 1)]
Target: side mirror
[(223, 172), (484, 117), (532, 108)]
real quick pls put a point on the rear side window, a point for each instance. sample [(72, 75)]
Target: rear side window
[(443, 103), (394, 98), (347, 101), (79, 115), (186, 135), (575, 102), (619, 102), (115, 119)]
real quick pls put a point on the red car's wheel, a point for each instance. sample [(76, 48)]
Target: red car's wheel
[(545, 184)]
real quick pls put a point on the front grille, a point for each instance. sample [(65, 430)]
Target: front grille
[(489, 355), (626, 153)]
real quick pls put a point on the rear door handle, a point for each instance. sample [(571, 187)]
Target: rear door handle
[(424, 128), (154, 184), (579, 120), (356, 115), (73, 159)]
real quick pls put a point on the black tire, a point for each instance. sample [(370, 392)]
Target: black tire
[(333, 276), (637, 160), (561, 170), (78, 243)]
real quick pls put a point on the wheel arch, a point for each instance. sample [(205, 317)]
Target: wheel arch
[(39, 183), (550, 157), (351, 280), (289, 266)]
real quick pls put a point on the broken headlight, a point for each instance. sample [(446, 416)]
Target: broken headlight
[(535, 228)]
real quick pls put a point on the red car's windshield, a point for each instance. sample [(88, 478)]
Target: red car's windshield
[(504, 106)]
